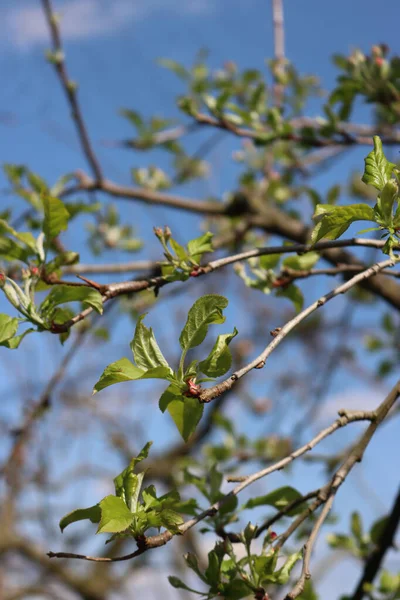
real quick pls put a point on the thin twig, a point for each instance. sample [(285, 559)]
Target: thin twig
[(328, 492), (113, 290), (69, 88), (156, 541), (215, 391)]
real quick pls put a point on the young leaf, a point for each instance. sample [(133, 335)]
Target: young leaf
[(145, 349), (377, 529), (125, 370), (269, 261), (279, 498), (55, 216), (200, 245), (93, 513), (115, 515), (8, 327), (219, 360), (303, 262), (333, 221), (14, 342), (205, 311), (281, 577), (378, 170), (294, 293), (61, 294), (237, 589), (180, 585), (171, 393), (171, 520), (356, 526), (386, 200), (186, 413)]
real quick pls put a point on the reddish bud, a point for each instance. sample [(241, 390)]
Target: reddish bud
[(158, 232), (193, 390), (379, 61), (273, 535), (195, 272), (35, 271)]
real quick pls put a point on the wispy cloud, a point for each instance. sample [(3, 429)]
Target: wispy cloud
[(24, 25), (351, 399)]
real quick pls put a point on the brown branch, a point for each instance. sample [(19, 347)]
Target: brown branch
[(345, 140), (293, 274), (86, 183), (156, 541), (113, 290), (385, 542), (328, 493), (69, 88), (104, 269)]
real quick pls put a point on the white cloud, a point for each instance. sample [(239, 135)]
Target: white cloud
[(351, 399), (25, 26)]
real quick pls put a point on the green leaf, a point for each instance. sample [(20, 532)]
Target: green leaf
[(386, 200), (212, 573), (219, 360), (206, 311), (279, 499), (55, 216), (93, 513), (178, 249), (14, 342), (333, 194), (186, 413), (281, 577), (125, 370), (377, 170), (171, 520), (180, 585), (200, 245), (309, 593), (61, 294), (356, 526), (265, 565), (145, 349), (294, 293), (303, 262), (8, 327), (115, 515), (127, 484), (269, 261), (237, 589), (389, 583), (377, 530), (133, 117), (175, 67), (333, 221), (171, 393)]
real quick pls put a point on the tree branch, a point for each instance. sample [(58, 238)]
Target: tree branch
[(69, 88), (374, 561), (156, 541), (328, 492), (259, 362)]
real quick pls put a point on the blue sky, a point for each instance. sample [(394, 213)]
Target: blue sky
[(111, 50)]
